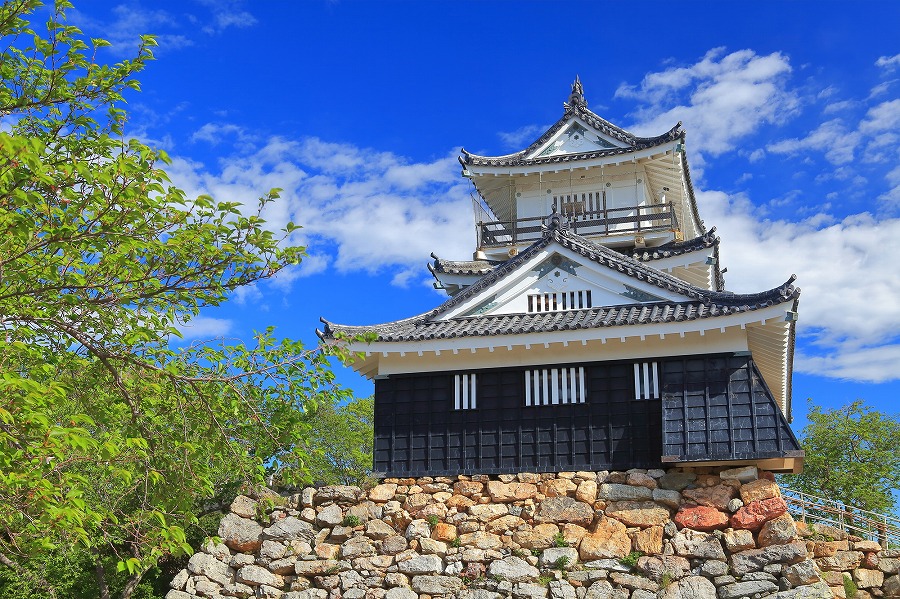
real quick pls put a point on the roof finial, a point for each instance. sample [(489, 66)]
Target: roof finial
[(576, 98)]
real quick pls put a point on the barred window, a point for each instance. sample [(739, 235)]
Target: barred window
[(464, 396), (552, 386), (646, 380), (559, 300)]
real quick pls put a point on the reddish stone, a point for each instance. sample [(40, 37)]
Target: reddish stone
[(756, 513), (701, 518)]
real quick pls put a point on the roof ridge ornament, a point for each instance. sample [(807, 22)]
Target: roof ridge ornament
[(576, 98), (555, 222)]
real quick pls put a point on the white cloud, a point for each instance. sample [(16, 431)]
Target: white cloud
[(204, 327), (832, 138), (128, 23), (850, 282), (521, 137), (721, 99), (888, 62), (884, 117), (226, 13), (361, 210), (216, 133)]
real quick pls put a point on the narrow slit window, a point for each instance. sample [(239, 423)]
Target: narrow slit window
[(464, 392), (555, 386), (646, 380)]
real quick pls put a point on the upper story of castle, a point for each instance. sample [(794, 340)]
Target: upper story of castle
[(616, 189)]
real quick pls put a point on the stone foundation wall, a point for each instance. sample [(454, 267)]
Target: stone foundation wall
[(571, 535)]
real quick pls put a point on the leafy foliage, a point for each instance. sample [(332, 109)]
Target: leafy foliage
[(111, 438), (852, 455), (341, 442)]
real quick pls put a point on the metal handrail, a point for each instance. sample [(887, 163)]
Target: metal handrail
[(882, 528), (653, 217)]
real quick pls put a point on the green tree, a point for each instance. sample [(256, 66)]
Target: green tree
[(111, 438), (341, 444), (852, 455)]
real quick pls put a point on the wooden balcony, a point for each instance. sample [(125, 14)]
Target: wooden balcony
[(632, 220)]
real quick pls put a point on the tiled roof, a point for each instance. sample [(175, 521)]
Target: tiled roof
[(424, 328), (462, 267), (519, 158), (700, 303), (677, 248)]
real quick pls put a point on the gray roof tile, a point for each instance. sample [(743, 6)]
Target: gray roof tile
[(699, 303)]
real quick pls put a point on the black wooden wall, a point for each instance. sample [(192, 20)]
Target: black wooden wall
[(418, 433), (712, 407), (719, 408)]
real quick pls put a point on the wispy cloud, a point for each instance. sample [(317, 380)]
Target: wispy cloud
[(204, 327), (832, 138), (521, 137), (225, 14), (173, 31), (721, 99), (888, 62)]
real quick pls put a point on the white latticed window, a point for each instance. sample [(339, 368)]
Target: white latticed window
[(559, 300), (550, 386), (464, 391), (646, 380)]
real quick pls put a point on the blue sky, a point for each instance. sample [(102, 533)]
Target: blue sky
[(358, 111)]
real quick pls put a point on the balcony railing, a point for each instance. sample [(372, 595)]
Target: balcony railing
[(612, 221)]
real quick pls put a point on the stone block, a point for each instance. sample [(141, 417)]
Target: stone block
[(649, 540), (513, 569), (436, 584), (759, 490), (256, 576), (841, 560), (743, 474), (638, 513), (690, 587), (244, 506), (802, 573), (701, 518), (618, 492), (587, 491), (510, 492), (717, 496), (565, 509), (756, 513), (203, 564), (383, 492), (676, 481), (777, 531), (754, 560), (558, 487), (240, 534), (551, 555), (290, 529), (747, 589), (667, 498), (609, 540), (421, 564), (689, 543), (738, 540), (867, 579)]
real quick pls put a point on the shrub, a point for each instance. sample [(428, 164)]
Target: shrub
[(559, 540), (631, 559), (351, 520), (849, 587)]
